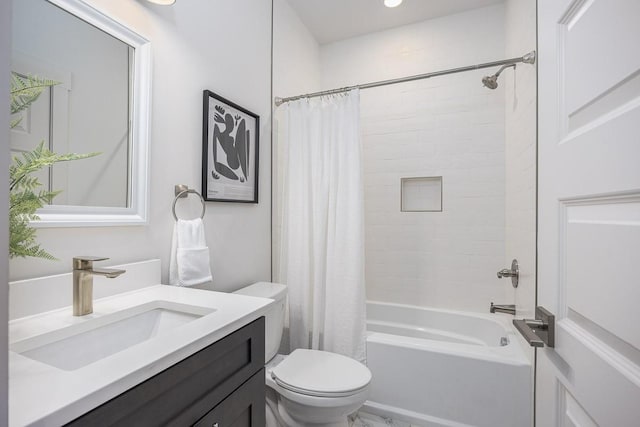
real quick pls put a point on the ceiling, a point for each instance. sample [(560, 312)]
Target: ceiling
[(332, 20)]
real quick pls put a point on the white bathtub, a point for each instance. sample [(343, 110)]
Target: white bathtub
[(437, 367)]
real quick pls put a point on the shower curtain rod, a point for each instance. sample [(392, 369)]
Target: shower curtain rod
[(529, 58)]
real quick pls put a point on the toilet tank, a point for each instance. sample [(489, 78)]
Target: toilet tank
[(274, 319)]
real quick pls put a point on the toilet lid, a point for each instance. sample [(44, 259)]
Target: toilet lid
[(320, 373)]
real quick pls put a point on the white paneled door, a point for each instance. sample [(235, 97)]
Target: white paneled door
[(589, 211)]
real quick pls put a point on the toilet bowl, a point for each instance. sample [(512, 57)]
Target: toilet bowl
[(307, 387)]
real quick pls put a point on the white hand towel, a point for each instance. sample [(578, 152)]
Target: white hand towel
[(189, 263)]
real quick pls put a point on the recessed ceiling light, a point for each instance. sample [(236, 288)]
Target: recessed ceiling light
[(392, 3), (166, 2)]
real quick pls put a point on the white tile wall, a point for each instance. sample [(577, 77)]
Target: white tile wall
[(520, 153), (448, 126)]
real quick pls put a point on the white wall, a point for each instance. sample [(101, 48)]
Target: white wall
[(5, 58), (451, 41), (520, 152), (223, 46), (296, 53), (448, 126)]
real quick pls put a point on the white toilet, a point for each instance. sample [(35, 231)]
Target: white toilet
[(308, 387)]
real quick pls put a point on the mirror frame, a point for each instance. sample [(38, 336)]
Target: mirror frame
[(137, 212)]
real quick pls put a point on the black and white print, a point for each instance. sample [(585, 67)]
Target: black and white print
[(230, 151)]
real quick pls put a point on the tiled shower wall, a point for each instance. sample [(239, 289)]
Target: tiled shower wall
[(445, 259), (447, 126), (520, 133)]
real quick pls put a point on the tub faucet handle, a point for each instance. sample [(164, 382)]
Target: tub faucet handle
[(514, 273), (505, 272)]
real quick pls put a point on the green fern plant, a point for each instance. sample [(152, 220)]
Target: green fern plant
[(24, 193)]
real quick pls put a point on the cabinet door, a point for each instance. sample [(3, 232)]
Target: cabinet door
[(182, 394), (243, 408)]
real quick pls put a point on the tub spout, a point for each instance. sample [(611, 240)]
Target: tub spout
[(503, 308)]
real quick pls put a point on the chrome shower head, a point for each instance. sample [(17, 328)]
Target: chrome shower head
[(492, 81)]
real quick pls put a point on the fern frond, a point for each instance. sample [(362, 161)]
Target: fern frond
[(29, 183), (22, 237), (26, 89), (37, 159), (15, 122), (27, 248)]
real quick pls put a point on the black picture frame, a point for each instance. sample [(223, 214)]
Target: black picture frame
[(230, 151)]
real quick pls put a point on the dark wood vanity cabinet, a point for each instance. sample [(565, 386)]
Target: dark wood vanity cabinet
[(221, 385)]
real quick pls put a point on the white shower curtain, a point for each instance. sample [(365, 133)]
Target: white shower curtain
[(321, 193)]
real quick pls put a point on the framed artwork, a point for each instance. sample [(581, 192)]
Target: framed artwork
[(229, 151)]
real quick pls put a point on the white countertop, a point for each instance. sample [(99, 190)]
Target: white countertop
[(40, 394)]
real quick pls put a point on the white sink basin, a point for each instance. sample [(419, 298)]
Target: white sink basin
[(94, 339)]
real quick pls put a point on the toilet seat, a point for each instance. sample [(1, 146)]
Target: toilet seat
[(314, 393), (318, 373), (317, 401)]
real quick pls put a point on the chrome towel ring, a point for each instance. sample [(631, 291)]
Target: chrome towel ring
[(182, 191)]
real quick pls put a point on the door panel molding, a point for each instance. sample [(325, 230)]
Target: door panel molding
[(589, 211)]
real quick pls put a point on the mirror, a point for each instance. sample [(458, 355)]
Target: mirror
[(101, 104)]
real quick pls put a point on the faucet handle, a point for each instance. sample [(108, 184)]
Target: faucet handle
[(514, 273), (84, 262)]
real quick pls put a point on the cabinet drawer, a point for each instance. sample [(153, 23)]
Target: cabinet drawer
[(183, 393), (243, 408)]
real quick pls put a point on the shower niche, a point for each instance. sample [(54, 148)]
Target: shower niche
[(421, 194)]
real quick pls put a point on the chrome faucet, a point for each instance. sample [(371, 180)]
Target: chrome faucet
[(83, 273), (503, 308)]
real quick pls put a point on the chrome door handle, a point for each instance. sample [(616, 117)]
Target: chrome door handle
[(540, 331), (523, 326)]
